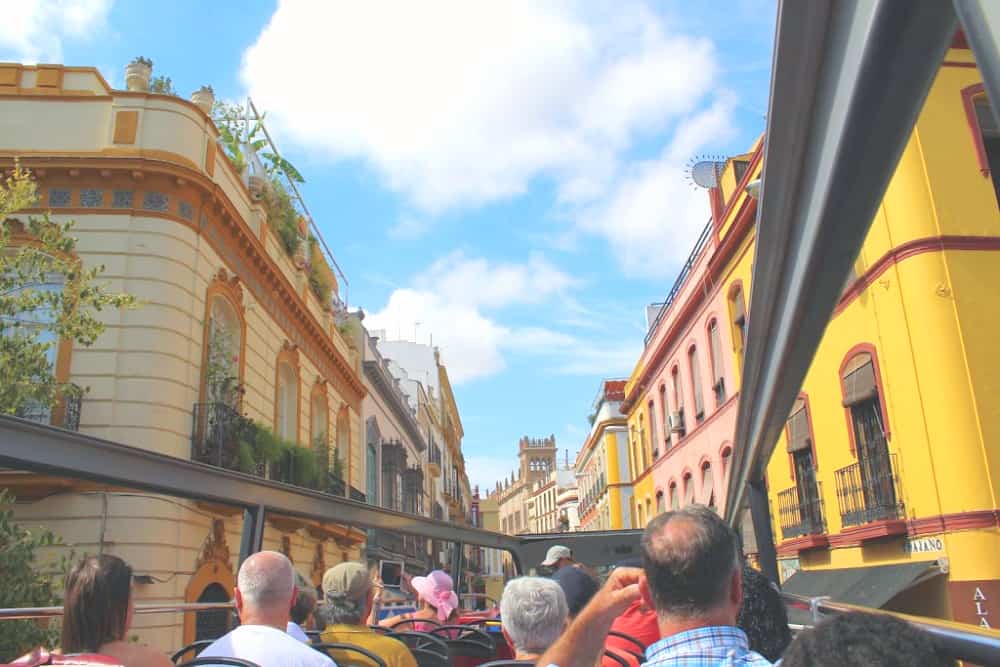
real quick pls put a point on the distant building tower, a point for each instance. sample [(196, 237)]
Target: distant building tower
[(538, 458)]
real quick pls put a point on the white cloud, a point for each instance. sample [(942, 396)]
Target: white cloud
[(409, 228), (33, 30), (453, 298), (479, 282), (457, 102), (653, 216)]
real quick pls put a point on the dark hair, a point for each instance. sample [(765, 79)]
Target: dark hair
[(690, 566), (305, 600), (95, 610), (762, 615), (577, 585), (872, 640)]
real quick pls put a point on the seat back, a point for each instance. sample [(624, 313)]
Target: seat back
[(422, 640), (409, 624), (195, 647), (42, 656), (313, 636), (628, 638), (339, 653), (507, 663), (621, 661), (427, 658)]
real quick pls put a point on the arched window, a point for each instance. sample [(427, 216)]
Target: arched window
[(677, 428), (643, 446), (738, 312), (654, 436), (225, 344), (699, 401), (707, 485), (320, 417), (343, 451), (986, 133), (675, 501), (727, 455), (649, 510), (660, 503), (715, 352), (287, 400), (664, 411), (688, 489)]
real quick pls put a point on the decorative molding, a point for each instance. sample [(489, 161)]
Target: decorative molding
[(237, 245), (793, 546), (230, 284), (945, 523), (215, 548), (858, 535)]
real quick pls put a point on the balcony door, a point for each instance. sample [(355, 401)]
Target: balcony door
[(806, 488), (873, 459)]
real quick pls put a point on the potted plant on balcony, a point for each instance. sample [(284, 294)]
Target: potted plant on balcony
[(138, 73), (204, 98)]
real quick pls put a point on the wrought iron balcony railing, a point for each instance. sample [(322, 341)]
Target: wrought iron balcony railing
[(800, 513), (869, 491), (65, 414)]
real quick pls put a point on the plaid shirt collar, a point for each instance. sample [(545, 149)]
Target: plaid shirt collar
[(715, 645)]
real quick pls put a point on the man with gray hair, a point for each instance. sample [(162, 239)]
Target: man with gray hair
[(533, 613), (302, 610), (265, 593)]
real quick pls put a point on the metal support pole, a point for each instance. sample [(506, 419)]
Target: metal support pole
[(761, 515), (253, 532), (457, 558)]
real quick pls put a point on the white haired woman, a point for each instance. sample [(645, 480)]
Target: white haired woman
[(533, 613)]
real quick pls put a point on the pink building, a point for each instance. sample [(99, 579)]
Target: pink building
[(682, 398)]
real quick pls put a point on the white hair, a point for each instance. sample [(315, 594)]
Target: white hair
[(267, 578), (533, 611)]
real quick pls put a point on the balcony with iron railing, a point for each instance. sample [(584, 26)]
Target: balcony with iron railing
[(679, 282), (869, 491), (64, 414), (222, 437), (801, 517)]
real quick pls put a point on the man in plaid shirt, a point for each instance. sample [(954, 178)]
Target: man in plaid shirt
[(692, 577)]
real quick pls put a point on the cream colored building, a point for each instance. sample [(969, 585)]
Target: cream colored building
[(537, 459), (161, 207)]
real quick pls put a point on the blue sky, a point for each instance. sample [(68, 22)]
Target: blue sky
[(505, 176)]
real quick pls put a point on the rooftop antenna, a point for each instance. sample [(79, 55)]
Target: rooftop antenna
[(703, 171)]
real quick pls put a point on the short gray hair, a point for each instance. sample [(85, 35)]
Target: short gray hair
[(533, 611), (266, 578), (339, 610)]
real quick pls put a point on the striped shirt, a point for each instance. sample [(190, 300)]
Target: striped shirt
[(716, 646)]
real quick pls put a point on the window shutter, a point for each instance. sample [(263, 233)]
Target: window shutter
[(859, 380), (798, 429)]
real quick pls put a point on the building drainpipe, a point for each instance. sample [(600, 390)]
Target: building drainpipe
[(760, 513)]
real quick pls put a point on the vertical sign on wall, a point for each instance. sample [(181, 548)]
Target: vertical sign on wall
[(973, 601)]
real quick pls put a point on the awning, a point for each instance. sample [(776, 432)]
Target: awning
[(867, 586)]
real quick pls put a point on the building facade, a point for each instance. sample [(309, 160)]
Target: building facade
[(604, 476), (889, 455), (229, 339), (545, 514), (537, 459)]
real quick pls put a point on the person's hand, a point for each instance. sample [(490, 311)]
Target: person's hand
[(379, 588), (619, 591)]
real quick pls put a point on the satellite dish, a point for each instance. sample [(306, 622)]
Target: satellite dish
[(705, 173)]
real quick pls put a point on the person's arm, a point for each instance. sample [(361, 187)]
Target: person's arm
[(582, 645), (392, 621), (376, 602)]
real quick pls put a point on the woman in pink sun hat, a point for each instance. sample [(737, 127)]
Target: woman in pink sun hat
[(437, 600)]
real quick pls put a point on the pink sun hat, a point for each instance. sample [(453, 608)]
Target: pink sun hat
[(438, 590)]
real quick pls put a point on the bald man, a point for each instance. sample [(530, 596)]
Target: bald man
[(265, 593)]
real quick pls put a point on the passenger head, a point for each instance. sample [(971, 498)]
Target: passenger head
[(577, 586), (437, 591), (533, 613), (265, 589), (347, 593), (762, 615), (558, 557), (872, 640), (305, 600), (98, 604), (692, 567)]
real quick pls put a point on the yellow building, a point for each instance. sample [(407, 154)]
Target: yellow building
[(604, 478), (159, 204), (884, 489)]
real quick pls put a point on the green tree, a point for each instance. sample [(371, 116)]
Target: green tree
[(25, 583), (46, 295)]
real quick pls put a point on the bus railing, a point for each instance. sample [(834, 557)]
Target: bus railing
[(955, 640), (960, 641)]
